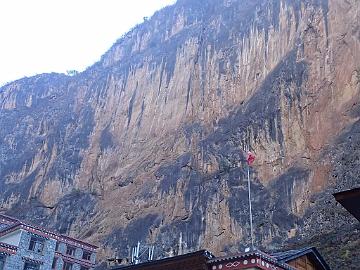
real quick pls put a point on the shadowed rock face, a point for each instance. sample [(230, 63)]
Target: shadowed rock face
[(148, 144)]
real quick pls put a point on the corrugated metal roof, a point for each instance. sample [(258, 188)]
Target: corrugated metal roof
[(289, 253), (311, 252)]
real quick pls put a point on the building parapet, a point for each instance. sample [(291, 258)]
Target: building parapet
[(17, 224)]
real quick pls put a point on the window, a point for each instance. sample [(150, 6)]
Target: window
[(70, 250), (31, 266), (36, 244), (84, 268), (86, 255), (2, 262), (67, 266), (54, 263), (57, 246)]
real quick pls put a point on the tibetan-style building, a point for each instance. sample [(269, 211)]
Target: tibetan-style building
[(27, 247), (303, 259)]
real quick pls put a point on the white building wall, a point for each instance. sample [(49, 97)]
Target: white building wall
[(12, 238)]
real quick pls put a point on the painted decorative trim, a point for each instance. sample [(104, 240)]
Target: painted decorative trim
[(71, 259), (27, 259), (16, 224)]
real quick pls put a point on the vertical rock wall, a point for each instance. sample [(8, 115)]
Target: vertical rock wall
[(148, 144)]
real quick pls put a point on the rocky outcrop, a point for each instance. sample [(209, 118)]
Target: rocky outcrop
[(148, 144)]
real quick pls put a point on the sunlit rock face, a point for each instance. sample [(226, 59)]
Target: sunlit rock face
[(148, 144)]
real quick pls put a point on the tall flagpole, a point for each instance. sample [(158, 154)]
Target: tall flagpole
[(250, 212)]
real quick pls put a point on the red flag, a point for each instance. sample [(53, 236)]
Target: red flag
[(250, 158)]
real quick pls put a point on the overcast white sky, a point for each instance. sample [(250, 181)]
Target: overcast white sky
[(38, 36)]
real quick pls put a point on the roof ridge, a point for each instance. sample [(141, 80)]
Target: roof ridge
[(18, 222)]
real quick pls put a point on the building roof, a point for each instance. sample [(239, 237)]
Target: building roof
[(204, 259), (253, 254), (7, 220), (350, 200), (311, 252), (173, 262), (17, 224)]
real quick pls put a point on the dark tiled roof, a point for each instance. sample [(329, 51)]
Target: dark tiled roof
[(201, 253), (312, 252)]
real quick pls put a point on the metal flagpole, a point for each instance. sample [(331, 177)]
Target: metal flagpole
[(251, 224)]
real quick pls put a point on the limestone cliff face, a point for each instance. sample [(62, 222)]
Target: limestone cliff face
[(148, 144)]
